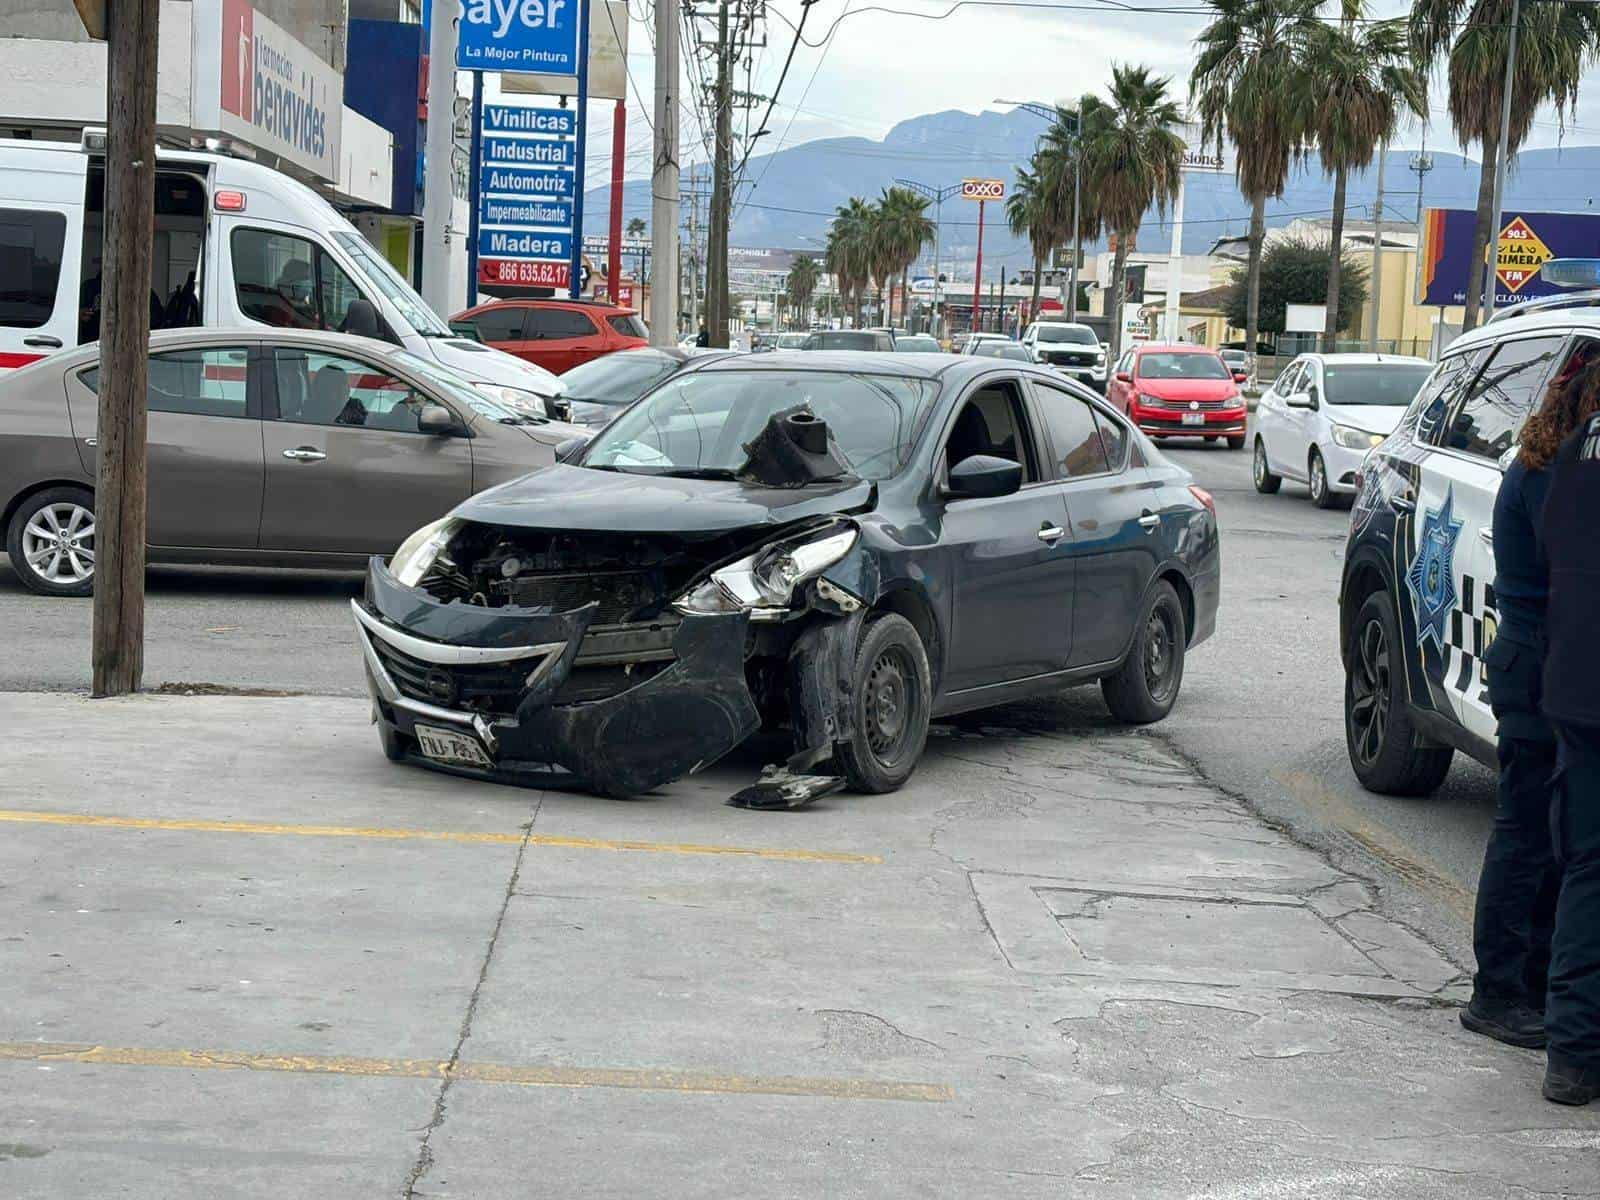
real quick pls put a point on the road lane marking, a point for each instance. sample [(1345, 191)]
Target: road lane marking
[(632, 1079), (428, 835)]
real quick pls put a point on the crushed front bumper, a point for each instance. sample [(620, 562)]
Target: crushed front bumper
[(623, 708)]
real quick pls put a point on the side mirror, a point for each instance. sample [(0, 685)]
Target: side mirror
[(1240, 377), (437, 419), (982, 475), (1299, 400), (568, 450), (466, 329), (1124, 377)]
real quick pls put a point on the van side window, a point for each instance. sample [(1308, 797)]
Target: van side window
[(289, 282), (30, 265)]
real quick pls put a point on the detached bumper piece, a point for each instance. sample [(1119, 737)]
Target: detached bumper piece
[(623, 708)]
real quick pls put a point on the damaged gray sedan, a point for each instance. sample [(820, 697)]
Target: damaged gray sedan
[(846, 546)]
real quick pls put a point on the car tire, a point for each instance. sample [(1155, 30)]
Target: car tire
[(1266, 482), (1317, 472), (1211, 437), (1236, 443), (40, 515), (1387, 752), (1145, 687), (893, 697)]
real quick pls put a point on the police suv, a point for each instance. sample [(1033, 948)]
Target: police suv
[(1416, 602)]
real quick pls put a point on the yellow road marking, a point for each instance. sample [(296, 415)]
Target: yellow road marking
[(529, 1076), (427, 835)]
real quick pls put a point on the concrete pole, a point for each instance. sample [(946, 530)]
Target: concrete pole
[(1491, 268), (664, 184), (438, 197), (1377, 254), (1171, 330)]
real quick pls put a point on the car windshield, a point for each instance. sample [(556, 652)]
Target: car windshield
[(619, 378), (1001, 350), (844, 339), (1081, 334), (1391, 385), (791, 341), (459, 388), (698, 424), (395, 289), (915, 344), (1234, 356), (1182, 366)]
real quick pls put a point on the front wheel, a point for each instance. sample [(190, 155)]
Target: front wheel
[(1266, 482), (1145, 687), (1388, 753), (1321, 494), (51, 542), (893, 697)]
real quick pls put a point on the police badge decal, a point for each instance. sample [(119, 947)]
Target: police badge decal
[(1431, 579)]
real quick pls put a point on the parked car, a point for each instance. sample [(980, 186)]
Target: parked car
[(1011, 351), (267, 447), (1243, 365), (917, 343), (967, 343), (237, 245), (1324, 412), (791, 341), (849, 339), (1179, 391), (598, 390), (556, 334), (1417, 608), (734, 549), (1072, 349)]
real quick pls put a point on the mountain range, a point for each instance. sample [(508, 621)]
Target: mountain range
[(791, 193)]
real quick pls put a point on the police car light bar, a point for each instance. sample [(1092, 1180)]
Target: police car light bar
[(1571, 272)]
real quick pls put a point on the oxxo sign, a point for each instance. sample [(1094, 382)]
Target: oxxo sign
[(983, 189), (538, 36)]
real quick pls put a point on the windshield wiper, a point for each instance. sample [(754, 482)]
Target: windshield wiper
[(700, 473)]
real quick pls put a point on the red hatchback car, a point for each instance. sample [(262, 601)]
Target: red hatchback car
[(1180, 391), (555, 334)]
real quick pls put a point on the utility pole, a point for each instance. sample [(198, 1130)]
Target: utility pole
[(438, 197), (938, 195), (118, 527), (695, 251), (721, 188), (664, 182), (1377, 253), (1491, 268)]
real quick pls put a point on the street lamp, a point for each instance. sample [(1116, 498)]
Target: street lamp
[(938, 195), (1057, 114)]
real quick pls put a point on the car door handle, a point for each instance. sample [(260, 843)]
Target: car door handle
[(305, 454), (1149, 522), (91, 441), (1051, 533), (43, 340)]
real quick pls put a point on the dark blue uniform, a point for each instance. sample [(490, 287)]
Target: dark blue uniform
[(1515, 914), (1571, 544)]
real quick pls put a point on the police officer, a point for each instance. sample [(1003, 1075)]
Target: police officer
[(1572, 702), (1517, 891)]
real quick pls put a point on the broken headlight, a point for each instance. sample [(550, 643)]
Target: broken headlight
[(767, 578), (418, 552)]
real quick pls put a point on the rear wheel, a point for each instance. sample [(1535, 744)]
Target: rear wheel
[(1236, 443), (1388, 753), (1266, 482), (1321, 494), (893, 696), (1145, 687), (51, 542)]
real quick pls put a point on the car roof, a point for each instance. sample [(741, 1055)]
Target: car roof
[(546, 302), (177, 339), (917, 365), (1553, 319), (1353, 359), (1174, 348)]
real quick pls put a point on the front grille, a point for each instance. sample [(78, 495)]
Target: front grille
[(1183, 405), (491, 688), (1068, 358), (619, 593)]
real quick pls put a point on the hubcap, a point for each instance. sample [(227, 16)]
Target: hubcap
[(1370, 684), (1261, 463), (890, 705), (58, 543), (1319, 476), (1160, 653)]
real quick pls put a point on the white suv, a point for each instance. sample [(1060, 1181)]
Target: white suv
[(1324, 412), (1074, 350)]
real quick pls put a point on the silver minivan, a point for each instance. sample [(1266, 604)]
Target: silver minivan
[(267, 447)]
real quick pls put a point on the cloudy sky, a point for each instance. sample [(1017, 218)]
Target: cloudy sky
[(865, 65)]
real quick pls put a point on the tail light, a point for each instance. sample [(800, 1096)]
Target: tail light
[(1205, 498)]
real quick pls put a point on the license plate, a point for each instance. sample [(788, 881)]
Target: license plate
[(449, 746), (1194, 418)]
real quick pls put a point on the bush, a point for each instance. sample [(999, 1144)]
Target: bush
[(1296, 272)]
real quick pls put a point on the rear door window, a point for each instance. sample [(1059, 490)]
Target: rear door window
[(199, 383), (556, 324), (1485, 422), (628, 325), (500, 324), (31, 243)]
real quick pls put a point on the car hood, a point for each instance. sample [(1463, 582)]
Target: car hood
[(484, 364), (576, 498), (1188, 389), (1370, 418)]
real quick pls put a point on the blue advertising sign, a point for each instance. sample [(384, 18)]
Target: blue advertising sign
[(538, 36), (549, 213), (1445, 266), (517, 181), (551, 245), (528, 152), (506, 118)]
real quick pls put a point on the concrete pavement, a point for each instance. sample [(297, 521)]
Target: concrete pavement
[(246, 956)]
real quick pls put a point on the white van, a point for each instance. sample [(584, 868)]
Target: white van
[(236, 243)]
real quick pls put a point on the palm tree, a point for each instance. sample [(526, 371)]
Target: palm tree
[(905, 229), (1555, 42), (636, 230), (1251, 84), (1366, 77), (1133, 158), (802, 285), (1058, 156), (1030, 213), (882, 254), (848, 254)]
